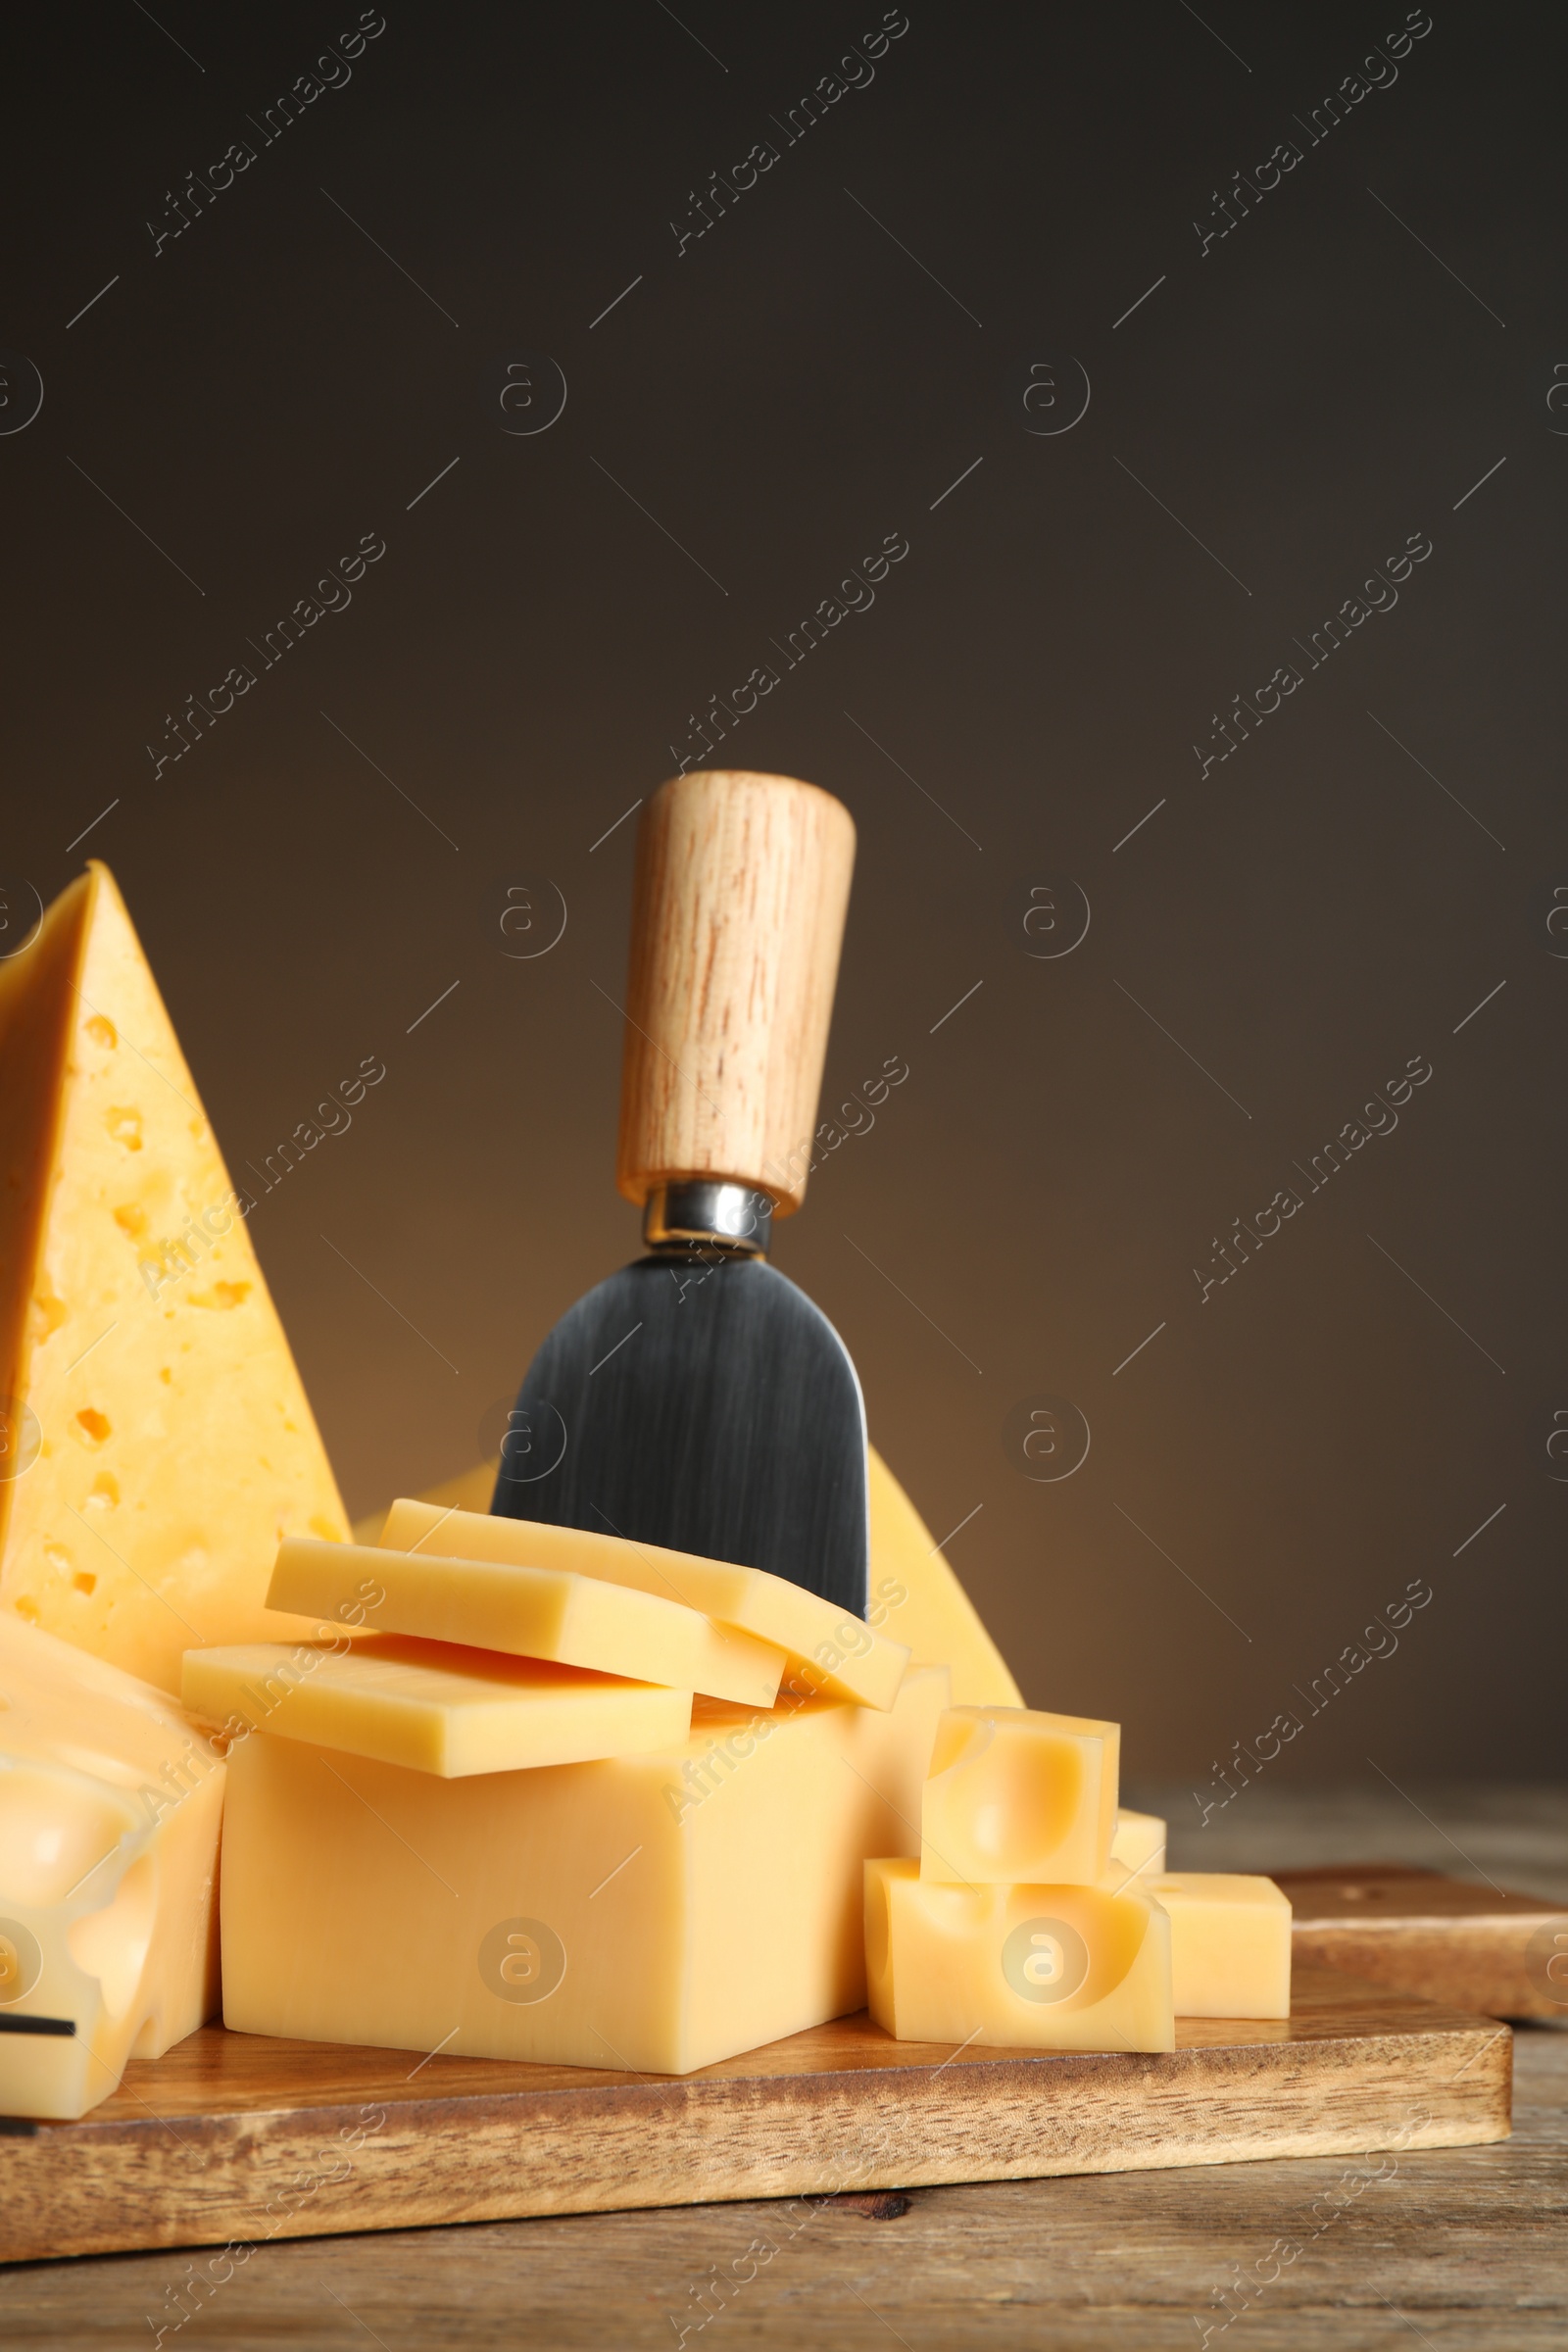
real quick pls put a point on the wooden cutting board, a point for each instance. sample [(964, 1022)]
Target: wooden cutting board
[(1468, 1946), (235, 2139)]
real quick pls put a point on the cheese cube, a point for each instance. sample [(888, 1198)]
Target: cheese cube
[(1137, 1848), (658, 1912), (1230, 1941), (1017, 1797), (109, 1805), (846, 1659), (1040, 1968), (531, 1612), (432, 1705), (142, 1364)]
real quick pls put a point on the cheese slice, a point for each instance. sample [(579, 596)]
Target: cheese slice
[(657, 1913), (110, 1806), (432, 1705), (840, 1654), (1017, 1794), (1137, 1848), (163, 1443), (915, 1598), (1230, 1941), (1043, 1967), (529, 1613)]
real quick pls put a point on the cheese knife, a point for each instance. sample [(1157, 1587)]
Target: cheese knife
[(697, 1399)]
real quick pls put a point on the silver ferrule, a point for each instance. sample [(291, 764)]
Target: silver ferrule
[(700, 1214)]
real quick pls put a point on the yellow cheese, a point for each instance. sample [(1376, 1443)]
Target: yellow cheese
[(162, 1437), (109, 1805), (531, 1612), (432, 1705), (1230, 1941), (915, 1598), (1017, 1796), (1138, 1847), (1043, 1968), (839, 1650), (658, 1912)]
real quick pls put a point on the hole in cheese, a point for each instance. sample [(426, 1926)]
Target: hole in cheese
[(94, 1426), (132, 1221), (102, 1031), (84, 1581), (123, 1123), (222, 1296)]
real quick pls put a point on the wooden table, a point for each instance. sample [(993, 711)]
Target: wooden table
[(1457, 2249)]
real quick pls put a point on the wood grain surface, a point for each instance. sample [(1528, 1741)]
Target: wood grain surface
[(1448, 1939), (741, 889), (1463, 2249), (235, 2136)]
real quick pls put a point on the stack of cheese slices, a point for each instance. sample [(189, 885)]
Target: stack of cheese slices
[(1040, 1916)]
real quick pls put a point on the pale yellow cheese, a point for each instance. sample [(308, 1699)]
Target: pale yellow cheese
[(658, 1912), (162, 1437), (110, 1805), (837, 1650), (1019, 1795), (915, 1598), (1046, 1968), (531, 1612), (1137, 1848), (432, 1705), (1230, 1941)]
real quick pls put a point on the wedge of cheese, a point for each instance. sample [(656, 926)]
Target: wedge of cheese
[(840, 1654), (659, 1912), (162, 1441), (916, 1598), (433, 1706), (110, 1806), (528, 1612)]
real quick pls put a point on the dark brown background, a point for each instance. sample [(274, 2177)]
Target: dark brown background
[(1303, 396)]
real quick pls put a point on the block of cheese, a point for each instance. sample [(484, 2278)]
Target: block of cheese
[(915, 1598), (432, 1705), (1043, 1968), (1138, 1847), (110, 1806), (658, 1912), (162, 1440), (1019, 1795), (842, 1656), (531, 1612), (1230, 1941)]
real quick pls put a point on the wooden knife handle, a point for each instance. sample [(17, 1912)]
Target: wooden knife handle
[(738, 912)]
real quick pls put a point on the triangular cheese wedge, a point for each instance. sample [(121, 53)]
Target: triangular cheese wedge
[(156, 1444)]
